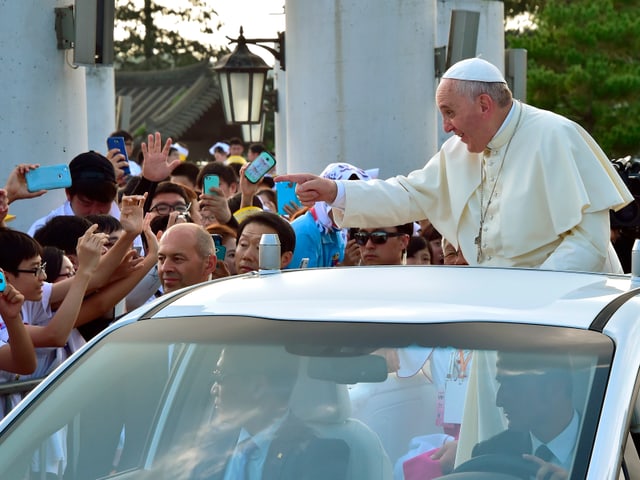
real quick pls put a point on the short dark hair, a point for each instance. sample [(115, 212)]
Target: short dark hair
[(171, 187), (15, 247), (407, 228), (63, 232), (416, 243), (106, 223), (122, 133), (236, 141), (187, 169), (225, 172), (52, 256), (272, 220), (257, 148)]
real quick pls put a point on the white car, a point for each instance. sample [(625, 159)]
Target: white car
[(349, 373)]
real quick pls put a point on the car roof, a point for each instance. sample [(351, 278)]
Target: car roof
[(405, 294)]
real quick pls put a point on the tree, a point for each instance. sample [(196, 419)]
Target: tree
[(151, 33), (583, 63)]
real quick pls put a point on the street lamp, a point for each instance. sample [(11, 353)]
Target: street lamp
[(242, 79), (253, 132)]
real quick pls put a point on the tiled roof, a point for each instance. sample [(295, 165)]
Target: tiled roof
[(169, 101)]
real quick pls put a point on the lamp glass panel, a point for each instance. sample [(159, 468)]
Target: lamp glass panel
[(240, 88), (256, 97), (226, 94)]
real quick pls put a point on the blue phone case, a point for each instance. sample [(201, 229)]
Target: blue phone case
[(118, 142), (286, 193), (210, 181), (48, 177), (3, 282)]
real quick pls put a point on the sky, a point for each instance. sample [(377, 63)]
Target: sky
[(259, 18)]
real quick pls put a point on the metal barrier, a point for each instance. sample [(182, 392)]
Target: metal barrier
[(19, 386)]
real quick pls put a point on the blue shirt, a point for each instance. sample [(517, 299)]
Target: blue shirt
[(322, 250)]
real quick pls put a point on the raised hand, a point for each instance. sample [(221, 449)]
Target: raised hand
[(16, 186), (118, 161), (311, 188), (11, 301), (214, 203), (352, 254), (156, 166), (132, 214), (89, 249)]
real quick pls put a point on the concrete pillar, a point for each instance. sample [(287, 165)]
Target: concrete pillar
[(360, 84), (101, 101), (43, 110), (280, 119)]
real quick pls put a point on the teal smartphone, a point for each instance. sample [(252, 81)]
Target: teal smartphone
[(48, 177), (259, 167), (210, 181), (286, 194)]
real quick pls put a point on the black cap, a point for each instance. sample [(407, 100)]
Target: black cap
[(91, 167)]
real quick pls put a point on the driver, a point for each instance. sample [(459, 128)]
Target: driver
[(535, 395)]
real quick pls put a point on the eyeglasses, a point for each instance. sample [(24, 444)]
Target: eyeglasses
[(35, 271), (377, 238), (69, 274), (166, 209)]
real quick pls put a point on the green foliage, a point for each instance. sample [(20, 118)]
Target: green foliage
[(583, 63), (151, 37)]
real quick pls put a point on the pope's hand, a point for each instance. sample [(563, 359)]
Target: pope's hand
[(311, 188)]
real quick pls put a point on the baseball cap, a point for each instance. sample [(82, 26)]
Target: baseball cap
[(91, 167)]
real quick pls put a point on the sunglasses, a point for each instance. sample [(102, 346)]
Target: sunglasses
[(377, 238)]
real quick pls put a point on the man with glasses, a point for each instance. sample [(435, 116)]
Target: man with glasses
[(383, 246), (169, 197)]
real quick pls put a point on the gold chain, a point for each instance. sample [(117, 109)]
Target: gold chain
[(483, 214)]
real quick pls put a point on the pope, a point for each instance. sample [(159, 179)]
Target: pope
[(515, 186)]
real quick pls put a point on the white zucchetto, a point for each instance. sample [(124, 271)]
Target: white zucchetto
[(476, 70)]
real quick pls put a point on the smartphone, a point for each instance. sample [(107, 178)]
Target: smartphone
[(221, 250), (118, 142), (259, 167), (352, 232), (286, 194), (48, 177), (3, 282), (210, 181)]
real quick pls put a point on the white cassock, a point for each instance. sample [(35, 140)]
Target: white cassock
[(539, 196)]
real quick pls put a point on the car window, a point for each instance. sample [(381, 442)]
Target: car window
[(208, 397)]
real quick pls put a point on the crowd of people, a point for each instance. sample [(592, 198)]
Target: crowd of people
[(514, 186)]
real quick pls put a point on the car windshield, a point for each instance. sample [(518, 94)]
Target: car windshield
[(235, 397)]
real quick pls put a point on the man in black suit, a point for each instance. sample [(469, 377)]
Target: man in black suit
[(535, 394), (253, 434)]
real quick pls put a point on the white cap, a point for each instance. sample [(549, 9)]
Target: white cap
[(475, 70), (222, 145)]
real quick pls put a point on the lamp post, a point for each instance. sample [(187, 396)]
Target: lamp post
[(242, 79), (253, 132)]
